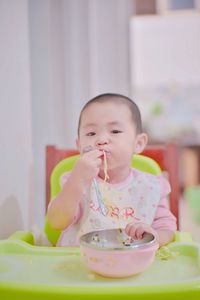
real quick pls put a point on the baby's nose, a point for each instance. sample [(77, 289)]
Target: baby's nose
[(102, 141)]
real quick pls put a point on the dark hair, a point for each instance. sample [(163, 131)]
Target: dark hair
[(111, 97)]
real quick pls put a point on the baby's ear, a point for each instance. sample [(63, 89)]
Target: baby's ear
[(141, 142), (78, 145)]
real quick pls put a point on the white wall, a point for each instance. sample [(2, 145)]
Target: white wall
[(165, 49), (165, 70), (47, 87), (16, 169)]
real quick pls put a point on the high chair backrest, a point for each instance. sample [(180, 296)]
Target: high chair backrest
[(164, 158)]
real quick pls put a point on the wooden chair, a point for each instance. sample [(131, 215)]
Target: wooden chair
[(165, 155)]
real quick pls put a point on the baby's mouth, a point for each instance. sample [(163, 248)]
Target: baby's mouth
[(104, 151)]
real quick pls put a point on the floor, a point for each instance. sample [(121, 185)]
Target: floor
[(187, 222)]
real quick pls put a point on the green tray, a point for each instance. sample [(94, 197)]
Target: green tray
[(33, 272)]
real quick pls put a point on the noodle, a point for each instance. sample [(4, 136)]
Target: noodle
[(105, 167), (107, 201), (106, 177)]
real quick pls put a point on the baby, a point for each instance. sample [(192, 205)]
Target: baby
[(109, 133)]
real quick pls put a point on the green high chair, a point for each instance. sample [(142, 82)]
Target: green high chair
[(56, 272)]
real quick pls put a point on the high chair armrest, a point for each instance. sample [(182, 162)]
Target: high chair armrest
[(25, 236), (181, 236)]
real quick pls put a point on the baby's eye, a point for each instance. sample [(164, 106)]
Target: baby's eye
[(90, 133), (115, 131)]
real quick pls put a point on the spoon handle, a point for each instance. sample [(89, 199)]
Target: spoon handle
[(102, 206)]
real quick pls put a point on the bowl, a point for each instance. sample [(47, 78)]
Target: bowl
[(112, 253)]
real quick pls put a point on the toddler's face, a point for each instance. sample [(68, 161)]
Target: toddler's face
[(109, 127)]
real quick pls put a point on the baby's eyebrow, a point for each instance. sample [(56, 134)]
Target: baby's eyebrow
[(115, 123), (89, 125)]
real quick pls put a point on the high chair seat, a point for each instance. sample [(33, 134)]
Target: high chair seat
[(140, 162)]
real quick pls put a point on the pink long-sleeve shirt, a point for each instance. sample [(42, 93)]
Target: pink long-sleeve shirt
[(141, 197)]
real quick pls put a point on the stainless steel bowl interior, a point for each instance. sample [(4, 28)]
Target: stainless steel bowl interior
[(115, 239)]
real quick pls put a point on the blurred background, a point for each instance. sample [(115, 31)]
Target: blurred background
[(57, 54)]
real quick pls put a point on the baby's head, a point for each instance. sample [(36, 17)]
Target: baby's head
[(117, 100), (111, 122)]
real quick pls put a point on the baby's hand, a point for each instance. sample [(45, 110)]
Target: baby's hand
[(88, 166), (136, 230)]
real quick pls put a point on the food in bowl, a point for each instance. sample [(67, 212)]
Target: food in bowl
[(112, 253)]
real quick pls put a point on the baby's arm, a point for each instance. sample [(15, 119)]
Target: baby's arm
[(164, 223), (164, 236), (63, 208)]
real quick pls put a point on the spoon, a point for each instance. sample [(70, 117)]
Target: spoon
[(102, 206)]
